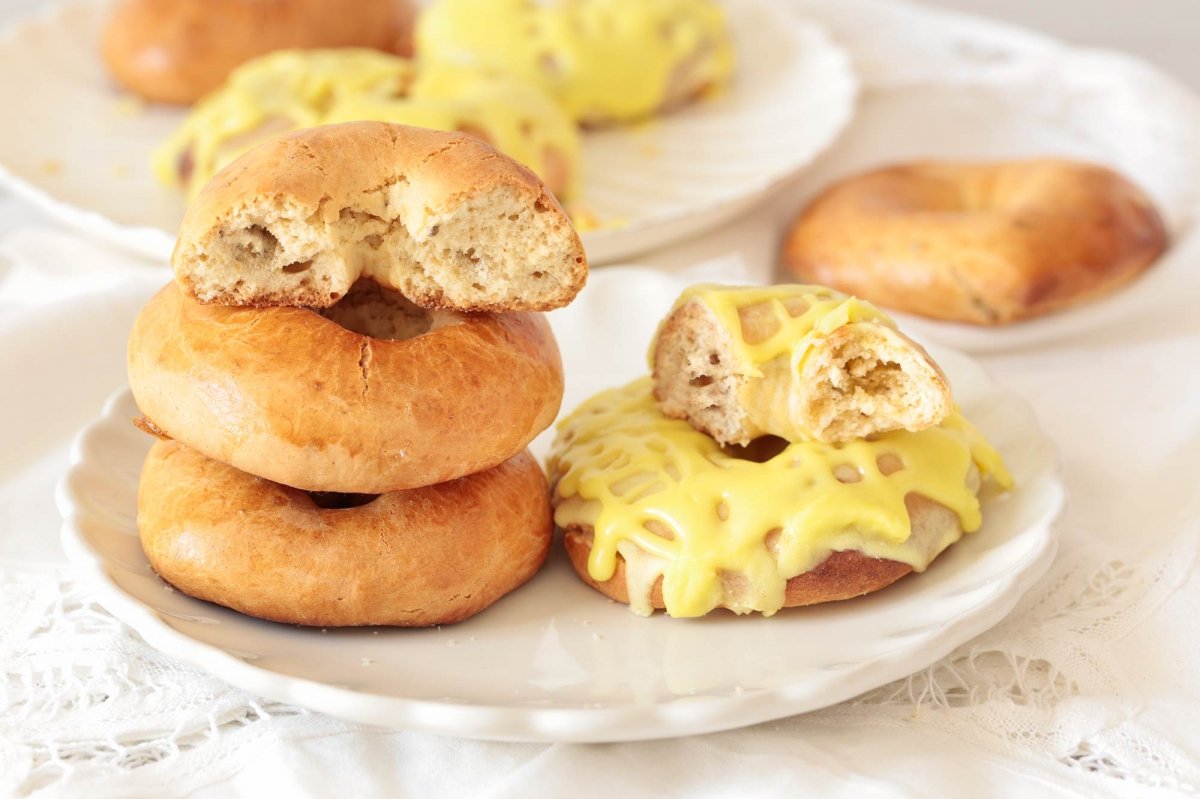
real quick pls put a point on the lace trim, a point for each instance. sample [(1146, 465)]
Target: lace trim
[(67, 665), (1014, 684)]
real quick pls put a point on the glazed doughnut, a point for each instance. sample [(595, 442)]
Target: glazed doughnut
[(381, 396), (658, 514), (291, 89), (432, 555), (986, 244), (605, 61), (843, 574), (176, 51), (798, 362), (441, 217)]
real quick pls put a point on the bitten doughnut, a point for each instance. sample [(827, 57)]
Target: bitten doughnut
[(797, 362), (432, 555), (380, 396), (657, 514), (986, 244), (443, 218), (176, 51)]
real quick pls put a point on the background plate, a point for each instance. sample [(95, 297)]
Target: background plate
[(555, 661), (80, 147)]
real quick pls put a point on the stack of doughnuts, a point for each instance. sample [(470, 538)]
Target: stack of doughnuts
[(345, 374)]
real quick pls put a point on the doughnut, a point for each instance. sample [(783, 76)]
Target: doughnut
[(606, 61), (433, 555), (292, 89), (659, 515), (985, 244), (176, 51), (798, 362), (370, 396), (440, 217)]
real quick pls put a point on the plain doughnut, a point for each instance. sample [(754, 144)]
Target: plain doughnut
[(294, 397), (176, 51), (434, 555), (980, 243)]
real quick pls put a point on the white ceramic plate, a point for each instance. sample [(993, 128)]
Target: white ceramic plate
[(80, 148), (555, 661), (949, 86)]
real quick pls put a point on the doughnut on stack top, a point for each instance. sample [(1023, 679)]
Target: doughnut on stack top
[(344, 377)]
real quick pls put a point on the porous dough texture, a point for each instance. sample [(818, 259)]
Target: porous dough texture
[(986, 244), (863, 378), (443, 218), (434, 555)]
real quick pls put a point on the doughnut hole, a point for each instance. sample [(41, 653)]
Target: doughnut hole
[(374, 311), (760, 450), (331, 500)]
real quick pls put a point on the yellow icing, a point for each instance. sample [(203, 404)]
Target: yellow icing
[(605, 60), (292, 89), (822, 310), (621, 465)]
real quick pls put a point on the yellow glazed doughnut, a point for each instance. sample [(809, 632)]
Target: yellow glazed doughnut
[(293, 89), (605, 60), (658, 514)]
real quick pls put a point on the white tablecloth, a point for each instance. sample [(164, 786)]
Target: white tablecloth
[(1091, 687)]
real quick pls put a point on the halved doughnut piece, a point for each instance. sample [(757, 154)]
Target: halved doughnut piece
[(798, 362), (375, 395), (443, 218)]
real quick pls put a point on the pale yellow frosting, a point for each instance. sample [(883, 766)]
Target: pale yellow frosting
[(605, 60), (675, 505), (292, 89)]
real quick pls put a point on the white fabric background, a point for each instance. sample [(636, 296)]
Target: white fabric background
[(1091, 687)]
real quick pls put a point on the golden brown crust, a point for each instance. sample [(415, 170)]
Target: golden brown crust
[(433, 555), (176, 51), (443, 218), (286, 394), (980, 243), (843, 575)]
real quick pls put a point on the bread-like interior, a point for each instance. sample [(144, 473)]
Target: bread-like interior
[(441, 217), (863, 378)]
